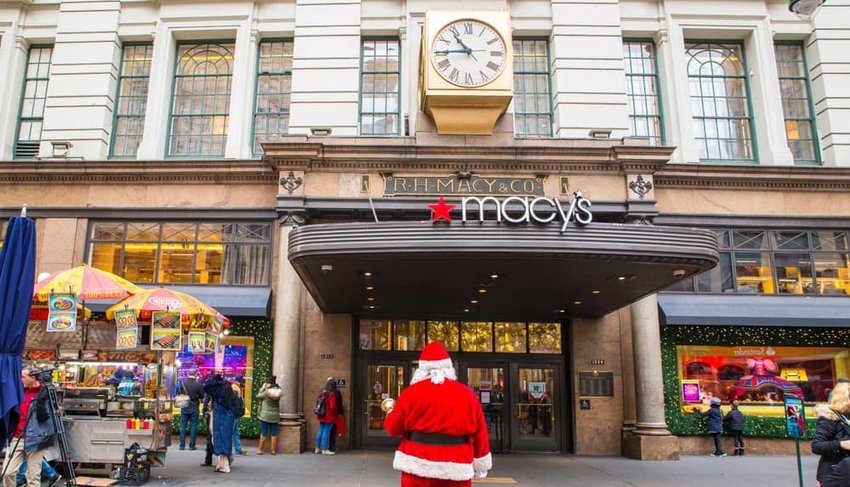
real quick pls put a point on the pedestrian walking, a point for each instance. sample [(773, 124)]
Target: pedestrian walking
[(832, 437), (715, 425), (221, 393), (736, 426), (268, 412), (328, 407), (444, 433), (207, 411), (189, 413), (33, 435), (238, 383)]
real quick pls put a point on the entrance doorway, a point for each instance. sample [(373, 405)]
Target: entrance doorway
[(523, 402)]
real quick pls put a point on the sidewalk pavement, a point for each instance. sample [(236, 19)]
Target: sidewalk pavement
[(374, 469)]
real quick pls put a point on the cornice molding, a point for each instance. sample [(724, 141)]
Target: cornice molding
[(311, 154), (749, 178), (134, 172)]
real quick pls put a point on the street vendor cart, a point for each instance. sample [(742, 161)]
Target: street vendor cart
[(111, 398)]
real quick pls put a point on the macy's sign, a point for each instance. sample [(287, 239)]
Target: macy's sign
[(541, 210)]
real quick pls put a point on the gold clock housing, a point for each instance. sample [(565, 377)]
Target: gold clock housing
[(466, 70)]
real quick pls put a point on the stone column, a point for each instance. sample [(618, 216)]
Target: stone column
[(287, 344), (651, 440)]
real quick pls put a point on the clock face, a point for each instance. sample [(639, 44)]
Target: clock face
[(468, 53)]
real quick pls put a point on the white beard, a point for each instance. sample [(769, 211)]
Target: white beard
[(437, 376)]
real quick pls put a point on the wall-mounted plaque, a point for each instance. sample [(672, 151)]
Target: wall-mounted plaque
[(462, 185), (596, 384)]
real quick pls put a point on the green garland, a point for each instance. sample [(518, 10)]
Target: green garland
[(263, 332), (671, 336)]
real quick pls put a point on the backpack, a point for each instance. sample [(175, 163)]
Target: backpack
[(320, 409), (238, 405)]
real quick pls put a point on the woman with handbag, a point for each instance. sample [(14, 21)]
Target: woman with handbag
[(328, 407), (268, 412), (223, 419), (832, 435)]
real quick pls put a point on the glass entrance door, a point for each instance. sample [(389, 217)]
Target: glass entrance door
[(534, 416), (488, 383), (382, 379)]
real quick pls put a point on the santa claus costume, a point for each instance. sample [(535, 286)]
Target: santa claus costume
[(445, 442)]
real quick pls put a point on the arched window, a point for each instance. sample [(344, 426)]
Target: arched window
[(201, 99), (720, 101)]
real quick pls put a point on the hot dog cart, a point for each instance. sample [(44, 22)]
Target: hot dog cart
[(110, 398)]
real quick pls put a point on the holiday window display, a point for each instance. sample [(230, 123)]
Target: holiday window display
[(760, 377)]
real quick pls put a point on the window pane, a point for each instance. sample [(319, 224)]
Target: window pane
[(833, 272), (719, 101), (132, 99), (446, 332), (201, 99), (531, 105), (794, 273), (409, 335), (34, 94), (754, 272), (750, 239), (510, 337), (375, 335), (719, 279), (175, 262), (139, 262), (106, 257), (642, 90), (794, 88), (274, 87), (208, 265), (379, 87), (544, 337), (477, 336), (791, 240), (830, 240)]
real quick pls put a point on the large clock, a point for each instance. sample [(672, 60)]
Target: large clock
[(468, 53)]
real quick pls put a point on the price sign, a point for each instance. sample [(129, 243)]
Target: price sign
[(125, 319)]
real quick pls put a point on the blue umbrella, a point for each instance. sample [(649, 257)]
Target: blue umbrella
[(17, 277)]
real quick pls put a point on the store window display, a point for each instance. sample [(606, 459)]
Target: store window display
[(760, 377)]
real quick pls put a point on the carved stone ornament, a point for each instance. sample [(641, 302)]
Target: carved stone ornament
[(293, 218), (290, 183), (640, 186)]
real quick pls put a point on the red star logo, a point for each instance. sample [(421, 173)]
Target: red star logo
[(441, 210)]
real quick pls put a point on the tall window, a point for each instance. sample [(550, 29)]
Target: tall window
[(532, 103), (274, 92), (201, 99), (183, 252), (31, 115), (380, 88), (642, 91), (796, 102), (132, 99), (717, 81)]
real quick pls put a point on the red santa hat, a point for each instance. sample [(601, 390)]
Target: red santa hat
[(434, 356)]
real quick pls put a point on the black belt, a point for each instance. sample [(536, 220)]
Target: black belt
[(435, 439)]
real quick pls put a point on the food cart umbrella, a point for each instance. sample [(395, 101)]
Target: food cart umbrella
[(164, 299), (17, 274), (88, 283)]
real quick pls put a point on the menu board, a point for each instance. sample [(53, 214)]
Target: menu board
[(127, 335), (62, 313), (165, 330), (197, 342)]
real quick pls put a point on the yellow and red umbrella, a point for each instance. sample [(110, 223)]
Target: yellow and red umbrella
[(164, 299), (87, 283)]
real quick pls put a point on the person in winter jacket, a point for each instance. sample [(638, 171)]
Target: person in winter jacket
[(444, 433), (736, 426), (34, 434), (333, 409), (832, 433), (189, 414), (715, 424), (268, 412), (223, 418)]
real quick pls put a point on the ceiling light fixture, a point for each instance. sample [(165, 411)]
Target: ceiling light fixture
[(576, 302), (367, 274), (370, 288), (596, 291), (482, 291), (370, 298), (494, 276), (473, 301)]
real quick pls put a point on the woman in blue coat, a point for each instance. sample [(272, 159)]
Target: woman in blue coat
[(223, 420), (715, 424)]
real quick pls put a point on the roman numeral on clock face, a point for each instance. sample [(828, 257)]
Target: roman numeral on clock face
[(467, 79), (445, 63), (453, 76), (493, 66)]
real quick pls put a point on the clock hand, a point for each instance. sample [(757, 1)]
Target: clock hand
[(460, 41), (450, 51)]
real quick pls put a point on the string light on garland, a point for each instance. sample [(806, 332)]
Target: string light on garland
[(730, 336)]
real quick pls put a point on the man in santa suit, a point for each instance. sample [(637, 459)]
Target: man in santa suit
[(445, 440)]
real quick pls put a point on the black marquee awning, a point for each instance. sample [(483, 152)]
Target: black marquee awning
[(422, 270)]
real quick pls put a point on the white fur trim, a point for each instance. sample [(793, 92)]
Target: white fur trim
[(437, 376), (483, 463), (435, 364), (430, 469)]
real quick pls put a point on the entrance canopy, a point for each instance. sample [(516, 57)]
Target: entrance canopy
[(490, 270)]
